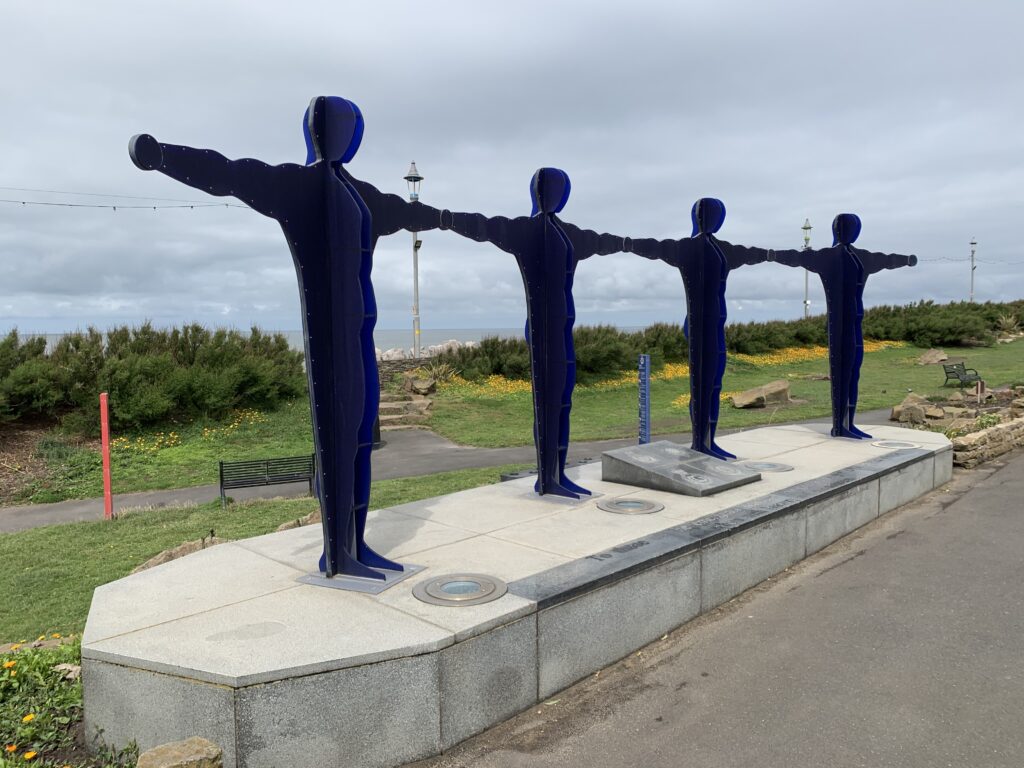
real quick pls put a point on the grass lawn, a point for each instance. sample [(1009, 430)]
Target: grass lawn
[(505, 419), (49, 573), (176, 456)]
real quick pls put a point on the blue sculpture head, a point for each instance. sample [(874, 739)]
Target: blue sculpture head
[(707, 215), (333, 128), (845, 229), (549, 190)]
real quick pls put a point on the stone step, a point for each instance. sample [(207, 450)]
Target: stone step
[(394, 427), (389, 420), (392, 407), (392, 397)]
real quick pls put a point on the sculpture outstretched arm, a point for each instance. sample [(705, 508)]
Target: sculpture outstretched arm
[(809, 260), (740, 255), (497, 230), (391, 213), (261, 186), (587, 243), (876, 262), (650, 248)]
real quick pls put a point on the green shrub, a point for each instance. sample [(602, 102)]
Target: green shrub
[(150, 374)]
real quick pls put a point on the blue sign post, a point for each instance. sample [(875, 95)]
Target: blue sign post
[(645, 399)]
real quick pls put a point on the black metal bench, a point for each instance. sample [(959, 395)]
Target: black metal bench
[(250, 474), (960, 374)]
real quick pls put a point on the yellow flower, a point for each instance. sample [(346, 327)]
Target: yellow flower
[(13, 673), (11, 748), (28, 718), (15, 647), (55, 635), (9, 664), (30, 755), (40, 638)]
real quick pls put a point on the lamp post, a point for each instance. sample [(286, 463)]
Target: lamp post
[(974, 244), (413, 179), (807, 275)]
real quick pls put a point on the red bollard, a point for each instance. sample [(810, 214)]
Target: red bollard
[(108, 499)]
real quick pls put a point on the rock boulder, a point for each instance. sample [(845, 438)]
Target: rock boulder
[(191, 753), (772, 393), (932, 357)]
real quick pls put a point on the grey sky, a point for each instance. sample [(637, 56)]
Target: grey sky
[(907, 113)]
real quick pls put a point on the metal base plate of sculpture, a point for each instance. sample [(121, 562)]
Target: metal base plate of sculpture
[(667, 466)]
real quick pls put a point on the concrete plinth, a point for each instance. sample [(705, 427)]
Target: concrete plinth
[(229, 644)]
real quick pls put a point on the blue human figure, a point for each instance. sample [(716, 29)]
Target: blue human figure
[(547, 250), (844, 271), (704, 262), (332, 222)]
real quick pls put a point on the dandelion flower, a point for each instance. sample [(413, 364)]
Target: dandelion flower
[(9, 664), (30, 755), (55, 635), (28, 718), (11, 748)]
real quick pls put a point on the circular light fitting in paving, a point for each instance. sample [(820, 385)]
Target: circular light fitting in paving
[(767, 466), (460, 589), (630, 506), (895, 444)]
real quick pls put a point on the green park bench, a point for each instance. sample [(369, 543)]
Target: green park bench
[(250, 474), (961, 375)]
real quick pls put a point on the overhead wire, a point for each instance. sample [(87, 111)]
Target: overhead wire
[(130, 206)]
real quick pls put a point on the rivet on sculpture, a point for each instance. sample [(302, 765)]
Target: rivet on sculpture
[(331, 221)]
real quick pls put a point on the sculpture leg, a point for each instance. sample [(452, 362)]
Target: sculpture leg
[(563, 427), (858, 359), (371, 404), (715, 405)]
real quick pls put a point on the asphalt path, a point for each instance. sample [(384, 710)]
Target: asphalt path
[(901, 645), (406, 453)]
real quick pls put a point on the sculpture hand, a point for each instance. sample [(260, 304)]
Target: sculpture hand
[(145, 152)]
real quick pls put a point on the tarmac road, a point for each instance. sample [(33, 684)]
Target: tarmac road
[(900, 645)]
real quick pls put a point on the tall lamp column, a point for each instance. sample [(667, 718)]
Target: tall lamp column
[(807, 275), (974, 244), (413, 179)]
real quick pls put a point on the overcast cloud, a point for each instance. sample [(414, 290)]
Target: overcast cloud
[(907, 113)]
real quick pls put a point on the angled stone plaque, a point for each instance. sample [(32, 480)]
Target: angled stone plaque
[(665, 466)]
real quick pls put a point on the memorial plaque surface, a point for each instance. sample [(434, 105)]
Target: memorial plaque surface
[(666, 466)]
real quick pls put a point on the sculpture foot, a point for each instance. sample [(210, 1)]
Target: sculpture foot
[(721, 453), (368, 557), (350, 567), (854, 434), (554, 489), (571, 486), (860, 433)]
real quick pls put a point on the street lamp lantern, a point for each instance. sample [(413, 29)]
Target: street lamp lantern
[(413, 179), (807, 275)]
